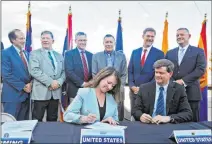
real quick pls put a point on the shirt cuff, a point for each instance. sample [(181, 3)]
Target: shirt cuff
[(184, 83)]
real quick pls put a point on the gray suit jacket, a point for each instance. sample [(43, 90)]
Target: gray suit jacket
[(43, 73), (120, 64)]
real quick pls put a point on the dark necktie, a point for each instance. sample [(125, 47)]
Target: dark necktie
[(23, 59), (50, 57), (143, 57), (85, 68), (160, 103)]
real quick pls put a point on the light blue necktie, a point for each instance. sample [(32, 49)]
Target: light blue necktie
[(180, 56), (160, 104), (109, 60)]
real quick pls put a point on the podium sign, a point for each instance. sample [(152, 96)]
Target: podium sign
[(192, 136), (103, 136)]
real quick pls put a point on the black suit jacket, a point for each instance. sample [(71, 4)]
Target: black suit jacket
[(177, 105), (192, 67)]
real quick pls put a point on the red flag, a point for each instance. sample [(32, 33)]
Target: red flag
[(68, 44), (204, 79)]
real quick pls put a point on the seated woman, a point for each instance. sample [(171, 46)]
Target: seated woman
[(98, 103)]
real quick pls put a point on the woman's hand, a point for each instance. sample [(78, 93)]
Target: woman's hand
[(110, 120), (91, 118)]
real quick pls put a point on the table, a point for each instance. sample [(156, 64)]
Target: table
[(136, 132)]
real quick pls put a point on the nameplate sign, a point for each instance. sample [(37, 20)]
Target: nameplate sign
[(192, 136), (105, 136), (16, 137)]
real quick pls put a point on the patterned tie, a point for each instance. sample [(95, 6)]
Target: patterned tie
[(160, 103), (23, 59), (50, 57), (180, 56), (84, 67), (143, 57), (109, 60)]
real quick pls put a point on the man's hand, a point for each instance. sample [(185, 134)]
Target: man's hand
[(180, 81), (28, 87), (161, 119), (146, 118), (54, 85), (135, 89)]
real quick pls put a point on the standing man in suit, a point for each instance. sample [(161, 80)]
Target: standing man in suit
[(117, 60), (78, 66), (16, 78), (46, 67), (140, 69), (162, 101), (190, 65)]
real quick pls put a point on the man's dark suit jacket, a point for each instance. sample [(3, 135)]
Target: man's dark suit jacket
[(192, 67), (177, 105), (74, 71)]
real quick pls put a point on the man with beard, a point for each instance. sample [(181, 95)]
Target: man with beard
[(162, 101), (140, 69), (190, 65), (115, 59)]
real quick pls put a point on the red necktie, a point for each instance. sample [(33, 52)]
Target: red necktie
[(23, 59), (143, 57), (84, 67)]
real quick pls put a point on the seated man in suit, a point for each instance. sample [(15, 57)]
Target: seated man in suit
[(162, 101), (97, 103)]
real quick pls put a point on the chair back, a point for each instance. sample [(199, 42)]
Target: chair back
[(5, 117)]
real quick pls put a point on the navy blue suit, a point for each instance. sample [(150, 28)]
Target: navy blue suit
[(74, 71), (192, 67), (15, 77), (137, 74)]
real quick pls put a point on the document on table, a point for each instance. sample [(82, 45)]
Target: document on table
[(18, 126), (100, 125)]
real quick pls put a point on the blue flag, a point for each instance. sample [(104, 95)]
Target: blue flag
[(119, 39)]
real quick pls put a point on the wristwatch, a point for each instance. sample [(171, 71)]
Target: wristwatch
[(171, 119)]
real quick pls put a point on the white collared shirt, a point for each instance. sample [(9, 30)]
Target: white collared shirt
[(18, 51), (147, 52)]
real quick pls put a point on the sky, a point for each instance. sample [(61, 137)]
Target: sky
[(98, 18)]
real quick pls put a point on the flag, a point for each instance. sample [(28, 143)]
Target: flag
[(165, 36), (68, 44), (28, 44), (204, 79), (119, 39)]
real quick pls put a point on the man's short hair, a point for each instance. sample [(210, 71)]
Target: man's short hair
[(164, 63), (12, 35), (108, 35), (47, 32), (80, 34), (149, 29), (183, 29)]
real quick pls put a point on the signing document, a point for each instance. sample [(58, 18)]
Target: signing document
[(100, 125)]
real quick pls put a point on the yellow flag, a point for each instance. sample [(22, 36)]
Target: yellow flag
[(165, 37)]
